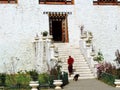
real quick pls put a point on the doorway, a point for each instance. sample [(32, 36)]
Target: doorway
[(57, 30), (58, 27)]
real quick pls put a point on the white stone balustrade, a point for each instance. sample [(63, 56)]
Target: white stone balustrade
[(86, 51), (44, 51)]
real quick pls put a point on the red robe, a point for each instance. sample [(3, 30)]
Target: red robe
[(70, 66), (70, 61)]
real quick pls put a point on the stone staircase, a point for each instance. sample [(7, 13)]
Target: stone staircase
[(80, 65)]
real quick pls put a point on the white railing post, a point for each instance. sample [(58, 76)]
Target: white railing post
[(86, 51)]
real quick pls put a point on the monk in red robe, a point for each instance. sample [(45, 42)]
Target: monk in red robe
[(70, 65)]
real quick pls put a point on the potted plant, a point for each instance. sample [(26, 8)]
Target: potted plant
[(45, 33), (34, 76), (88, 42), (99, 57), (90, 35), (84, 35), (58, 82)]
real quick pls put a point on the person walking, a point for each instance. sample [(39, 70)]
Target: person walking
[(70, 62)]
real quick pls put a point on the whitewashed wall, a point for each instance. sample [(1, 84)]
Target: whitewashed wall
[(104, 22), (20, 22)]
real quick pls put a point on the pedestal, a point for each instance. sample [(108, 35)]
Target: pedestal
[(117, 83), (58, 84), (34, 85)]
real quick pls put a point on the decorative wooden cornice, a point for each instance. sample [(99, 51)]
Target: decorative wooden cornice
[(61, 2), (106, 2), (8, 1), (57, 13)]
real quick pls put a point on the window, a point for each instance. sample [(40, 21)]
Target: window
[(56, 2), (106, 2), (8, 1)]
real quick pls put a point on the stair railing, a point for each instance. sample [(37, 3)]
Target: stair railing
[(44, 52), (88, 52)]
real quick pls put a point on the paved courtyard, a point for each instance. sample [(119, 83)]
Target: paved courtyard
[(88, 84)]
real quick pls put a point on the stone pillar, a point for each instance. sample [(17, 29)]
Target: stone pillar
[(52, 48), (40, 59), (88, 51), (48, 52), (44, 53)]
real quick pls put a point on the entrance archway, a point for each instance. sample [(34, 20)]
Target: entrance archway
[(58, 27)]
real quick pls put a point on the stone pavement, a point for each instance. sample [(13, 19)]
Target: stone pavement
[(88, 84)]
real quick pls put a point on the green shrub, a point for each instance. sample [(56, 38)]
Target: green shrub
[(2, 79), (11, 79), (34, 75), (99, 57), (108, 78), (23, 79), (43, 78), (45, 33), (18, 80)]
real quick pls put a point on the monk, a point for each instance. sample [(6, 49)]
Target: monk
[(70, 62)]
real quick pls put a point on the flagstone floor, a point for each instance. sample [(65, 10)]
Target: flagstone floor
[(88, 84)]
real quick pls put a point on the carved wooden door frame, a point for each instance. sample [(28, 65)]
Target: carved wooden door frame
[(64, 26)]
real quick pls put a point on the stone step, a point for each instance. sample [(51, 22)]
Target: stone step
[(78, 70), (75, 61), (88, 77), (82, 76), (80, 65), (77, 65)]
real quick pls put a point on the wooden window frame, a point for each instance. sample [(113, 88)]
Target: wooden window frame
[(57, 2), (8, 1), (106, 2)]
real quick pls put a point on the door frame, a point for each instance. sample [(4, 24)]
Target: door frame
[(64, 26)]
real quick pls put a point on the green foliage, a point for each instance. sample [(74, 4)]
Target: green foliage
[(45, 33), (108, 73), (2, 79), (56, 71), (90, 33), (11, 80), (43, 78), (18, 80), (23, 79), (99, 57), (108, 78), (88, 40), (118, 73), (33, 75)]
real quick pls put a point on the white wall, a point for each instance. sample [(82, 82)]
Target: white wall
[(20, 22), (104, 22)]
